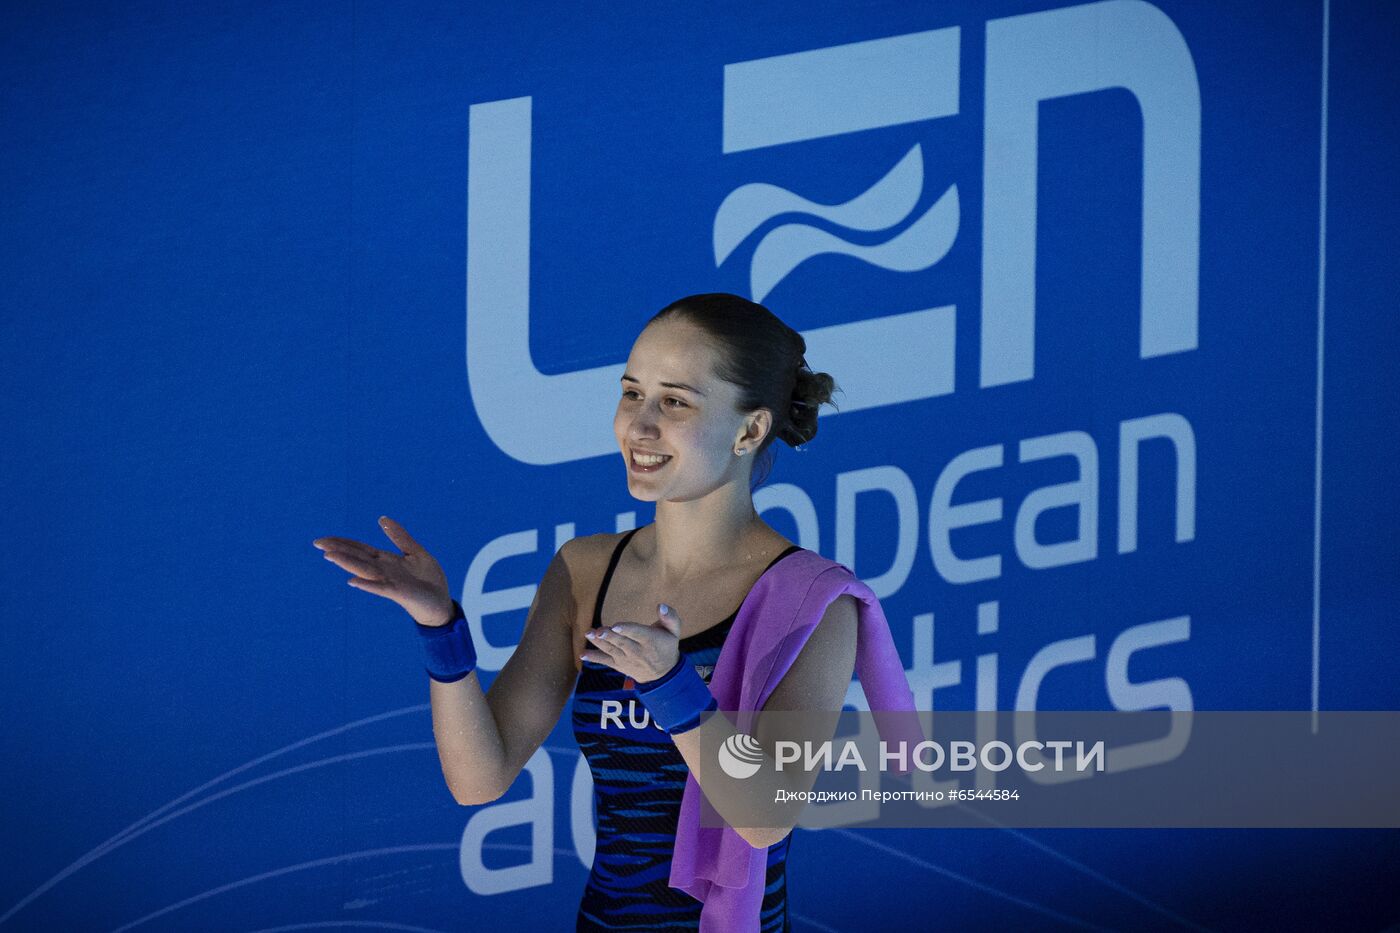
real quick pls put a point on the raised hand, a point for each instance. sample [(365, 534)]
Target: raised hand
[(413, 579), (642, 652)]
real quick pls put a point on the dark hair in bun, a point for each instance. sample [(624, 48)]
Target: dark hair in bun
[(809, 392), (765, 359)]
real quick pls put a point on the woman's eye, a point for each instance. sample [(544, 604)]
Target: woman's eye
[(630, 393)]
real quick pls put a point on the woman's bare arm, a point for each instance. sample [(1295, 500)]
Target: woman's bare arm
[(485, 739)]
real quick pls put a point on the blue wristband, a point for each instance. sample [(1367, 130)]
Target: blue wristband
[(448, 648), (678, 698)]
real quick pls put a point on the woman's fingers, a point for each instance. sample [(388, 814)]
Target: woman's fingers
[(396, 534), (364, 568), (607, 642), (646, 646), (620, 634), (411, 579), (349, 545), (596, 657), (640, 657), (371, 586)]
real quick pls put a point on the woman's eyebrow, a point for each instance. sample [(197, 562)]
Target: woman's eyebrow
[(669, 385)]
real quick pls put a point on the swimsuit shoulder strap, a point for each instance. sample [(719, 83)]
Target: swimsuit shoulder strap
[(607, 578)]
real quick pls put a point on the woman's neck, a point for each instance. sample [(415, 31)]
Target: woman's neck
[(689, 543)]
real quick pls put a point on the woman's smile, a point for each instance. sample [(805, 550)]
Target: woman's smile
[(646, 463)]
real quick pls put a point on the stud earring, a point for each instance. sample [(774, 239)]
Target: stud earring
[(740, 452)]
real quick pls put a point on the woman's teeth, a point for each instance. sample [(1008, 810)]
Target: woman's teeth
[(648, 459)]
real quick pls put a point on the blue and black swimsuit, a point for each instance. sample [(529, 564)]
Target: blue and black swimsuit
[(638, 779)]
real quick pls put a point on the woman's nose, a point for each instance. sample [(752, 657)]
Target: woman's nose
[(643, 424)]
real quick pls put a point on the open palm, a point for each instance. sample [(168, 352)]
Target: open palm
[(413, 578)]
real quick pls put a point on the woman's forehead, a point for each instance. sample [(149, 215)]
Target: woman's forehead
[(671, 355)]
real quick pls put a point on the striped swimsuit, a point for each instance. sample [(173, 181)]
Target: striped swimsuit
[(638, 779)]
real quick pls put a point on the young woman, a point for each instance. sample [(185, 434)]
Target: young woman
[(634, 626)]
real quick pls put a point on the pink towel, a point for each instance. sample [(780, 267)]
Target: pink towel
[(714, 864)]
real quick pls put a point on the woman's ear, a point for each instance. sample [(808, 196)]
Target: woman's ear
[(758, 425)]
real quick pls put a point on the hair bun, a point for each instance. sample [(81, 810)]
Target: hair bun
[(809, 392)]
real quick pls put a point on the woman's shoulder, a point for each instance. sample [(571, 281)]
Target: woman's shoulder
[(588, 555), (814, 563), (821, 576)]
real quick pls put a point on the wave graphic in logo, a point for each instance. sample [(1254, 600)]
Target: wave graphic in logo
[(740, 756), (882, 206)]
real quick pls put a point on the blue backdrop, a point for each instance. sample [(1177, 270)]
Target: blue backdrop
[(1109, 288)]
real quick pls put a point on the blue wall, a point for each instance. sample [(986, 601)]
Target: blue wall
[(274, 270)]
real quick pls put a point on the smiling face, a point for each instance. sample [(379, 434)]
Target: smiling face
[(672, 404)]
